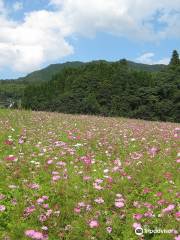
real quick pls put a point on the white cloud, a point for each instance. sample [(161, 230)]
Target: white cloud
[(148, 58), (42, 35), (28, 45), (129, 18), (17, 6)]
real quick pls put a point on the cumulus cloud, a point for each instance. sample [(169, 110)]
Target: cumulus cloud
[(42, 36), (39, 38), (148, 58), (130, 18)]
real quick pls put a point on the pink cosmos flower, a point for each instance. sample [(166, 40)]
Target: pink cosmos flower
[(98, 181), (109, 229), (159, 194), (81, 204), (137, 216), (56, 178), (146, 190), (93, 224), (77, 210), (161, 201), (55, 173), (49, 212), (11, 158), (136, 204), (35, 235), (8, 142), (2, 196), (169, 208), (49, 161), (119, 204), (29, 210), (46, 206), (110, 179), (61, 163), (153, 151), (33, 186), (86, 178), (42, 218), (97, 186), (148, 214), (2, 208), (177, 237), (21, 140), (99, 200), (40, 200), (136, 225), (136, 155), (177, 214)]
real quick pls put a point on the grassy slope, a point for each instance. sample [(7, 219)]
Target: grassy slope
[(138, 175)]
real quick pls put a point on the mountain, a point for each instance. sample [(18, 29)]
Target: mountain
[(146, 67), (12, 90), (46, 74)]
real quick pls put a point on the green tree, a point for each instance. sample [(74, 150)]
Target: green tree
[(175, 59)]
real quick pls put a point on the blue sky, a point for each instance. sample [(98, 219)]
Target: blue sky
[(34, 34)]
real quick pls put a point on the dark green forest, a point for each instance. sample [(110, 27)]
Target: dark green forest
[(120, 88), (111, 89)]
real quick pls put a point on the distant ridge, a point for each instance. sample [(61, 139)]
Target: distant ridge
[(46, 74)]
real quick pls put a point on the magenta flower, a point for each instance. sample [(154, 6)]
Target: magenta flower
[(29, 210), (8, 142), (137, 216), (11, 158)]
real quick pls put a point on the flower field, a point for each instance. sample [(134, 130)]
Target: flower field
[(76, 177)]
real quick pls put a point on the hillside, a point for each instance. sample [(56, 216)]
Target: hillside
[(46, 74), (12, 90), (109, 89), (83, 177)]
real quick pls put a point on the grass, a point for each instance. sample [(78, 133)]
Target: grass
[(84, 177)]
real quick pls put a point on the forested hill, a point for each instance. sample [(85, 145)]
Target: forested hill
[(13, 90), (46, 74), (111, 89), (121, 88)]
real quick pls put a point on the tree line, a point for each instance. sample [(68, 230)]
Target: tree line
[(110, 89)]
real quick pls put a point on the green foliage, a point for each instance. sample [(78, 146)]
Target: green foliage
[(120, 88), (109, 89)]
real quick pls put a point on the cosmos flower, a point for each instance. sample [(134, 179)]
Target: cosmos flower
[(109, 229), (93, 224), (35, 235), (2, 208)]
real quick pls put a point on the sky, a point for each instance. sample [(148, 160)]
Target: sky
[(36, 33)]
